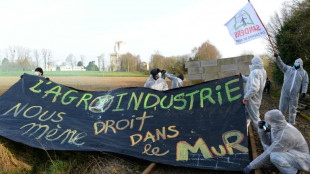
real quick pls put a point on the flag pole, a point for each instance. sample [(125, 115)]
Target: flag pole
[(264, 27)]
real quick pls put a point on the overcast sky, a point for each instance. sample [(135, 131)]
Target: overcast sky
[(91, 27)]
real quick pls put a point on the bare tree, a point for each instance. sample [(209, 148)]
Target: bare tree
[(22, 53), (276, 23), (157, 60), (83, 57), (49, 59), (101, 62), (130, 63), (47, 54), (207, 51), (24, 61), (6, 53), (71, 60), (12, 52), (36, 57)]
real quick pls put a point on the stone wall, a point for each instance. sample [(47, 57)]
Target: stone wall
[(215, 69)]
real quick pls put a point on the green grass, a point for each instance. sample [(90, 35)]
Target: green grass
[(76, 73)]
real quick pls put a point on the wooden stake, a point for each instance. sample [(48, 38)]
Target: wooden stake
[(253, 145), (149, 168)]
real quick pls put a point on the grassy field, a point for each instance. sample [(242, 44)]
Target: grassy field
[(76, 73)]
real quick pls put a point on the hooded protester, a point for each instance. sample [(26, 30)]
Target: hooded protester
[(253, 90), (295, 80), (176, 81), (38, 72), (156, 81), (286, 147), (153, 77)]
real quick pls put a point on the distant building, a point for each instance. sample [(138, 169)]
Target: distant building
[(69, 68), (51, 67), (115, 62), (144, 66)]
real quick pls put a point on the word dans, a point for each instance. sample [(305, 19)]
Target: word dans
[(136, 138), (247, 31), (183, 148)]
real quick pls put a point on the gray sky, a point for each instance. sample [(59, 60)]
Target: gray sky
[(90, 27)]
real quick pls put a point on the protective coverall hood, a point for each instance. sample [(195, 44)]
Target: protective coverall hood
[(257, 63), (154, 72), (276, 119), (299, 60)]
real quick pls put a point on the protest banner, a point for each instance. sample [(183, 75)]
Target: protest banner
[(201, 126)]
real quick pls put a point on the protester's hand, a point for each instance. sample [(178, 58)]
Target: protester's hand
[(261, 124), (21, 76), (47, 78), (163, 71), (244, 101), (239, 74), (247, 169), (276, 56), (303, 95)]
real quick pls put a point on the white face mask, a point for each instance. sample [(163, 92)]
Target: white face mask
[(159, 75), (36, 73), (250, 66)]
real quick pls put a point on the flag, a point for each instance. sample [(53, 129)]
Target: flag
[(246, 25)]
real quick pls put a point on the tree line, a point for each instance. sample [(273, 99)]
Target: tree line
[(18, 58), (176, 64)]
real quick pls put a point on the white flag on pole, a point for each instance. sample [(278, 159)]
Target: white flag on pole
[(245, 25)]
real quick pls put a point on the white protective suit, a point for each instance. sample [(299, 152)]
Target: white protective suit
[(295, 81), (160, 84), (254, 87), (286, 146), (175, 81), (149, 82)]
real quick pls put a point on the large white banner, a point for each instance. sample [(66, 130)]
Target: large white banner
[(245, 25)]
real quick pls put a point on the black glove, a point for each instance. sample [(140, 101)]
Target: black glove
[(21, 76), (303, 95), (163, 71), (47, 78), (261, 124), (247, 169), (276, 55)]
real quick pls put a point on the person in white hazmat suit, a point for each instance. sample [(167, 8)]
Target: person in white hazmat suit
[(295, 80), (286, 147), (176, 81), (156, 81), (254, 88)]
